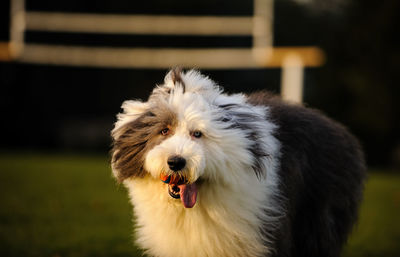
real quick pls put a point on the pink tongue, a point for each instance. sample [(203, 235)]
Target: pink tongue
[(188, 194)]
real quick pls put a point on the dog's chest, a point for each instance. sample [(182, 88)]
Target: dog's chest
[(165, 228)]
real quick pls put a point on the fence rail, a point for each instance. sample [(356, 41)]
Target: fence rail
[(262, 54), (138, 24)]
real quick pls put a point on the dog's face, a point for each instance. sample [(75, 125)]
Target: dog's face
[(183, 135)]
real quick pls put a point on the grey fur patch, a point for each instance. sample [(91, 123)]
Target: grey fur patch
[(321, 174), (246, 122)]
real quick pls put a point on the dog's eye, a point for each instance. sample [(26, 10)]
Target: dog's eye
[(165, 132), (196, 134)]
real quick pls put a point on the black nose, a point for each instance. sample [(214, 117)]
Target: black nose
[(176, 163)]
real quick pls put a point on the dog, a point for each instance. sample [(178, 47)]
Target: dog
[(216, 174)]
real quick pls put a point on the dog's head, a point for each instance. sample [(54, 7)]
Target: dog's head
[(186, 133)]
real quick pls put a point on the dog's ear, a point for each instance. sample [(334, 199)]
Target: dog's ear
[(131, 110), (134, 108), (173, 79)]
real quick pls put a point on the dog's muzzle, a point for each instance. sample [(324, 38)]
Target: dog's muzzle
[(178, 186)]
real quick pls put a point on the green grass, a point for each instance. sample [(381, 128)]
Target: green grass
[(69, 205), (56, 205), (377, 233)]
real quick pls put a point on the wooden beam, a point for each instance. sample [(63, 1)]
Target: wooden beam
[(5, 54), (225, 58), (274, 57), (292, 78), (138, 24)]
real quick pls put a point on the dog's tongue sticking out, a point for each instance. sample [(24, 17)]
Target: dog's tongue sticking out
[(188, 194)]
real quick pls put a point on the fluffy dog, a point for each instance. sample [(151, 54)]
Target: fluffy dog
[(212, 174)]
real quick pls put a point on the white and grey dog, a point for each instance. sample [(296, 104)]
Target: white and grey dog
[(212, 174)]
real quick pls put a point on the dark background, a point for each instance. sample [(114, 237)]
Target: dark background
[(56, 108)]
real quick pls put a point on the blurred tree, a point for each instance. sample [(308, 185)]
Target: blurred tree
[(359, 84)]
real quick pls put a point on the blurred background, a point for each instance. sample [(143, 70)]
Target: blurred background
[(66, 67)]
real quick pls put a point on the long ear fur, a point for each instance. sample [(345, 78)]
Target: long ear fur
[(131, 111)]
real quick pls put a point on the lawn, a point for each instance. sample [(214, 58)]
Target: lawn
[(69, 205), (57, 205), (377, 233)]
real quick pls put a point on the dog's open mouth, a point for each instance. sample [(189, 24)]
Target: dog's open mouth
[(178, 188), (173, 191)]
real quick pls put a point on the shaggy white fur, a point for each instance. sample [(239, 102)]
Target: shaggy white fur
[(237, 190)]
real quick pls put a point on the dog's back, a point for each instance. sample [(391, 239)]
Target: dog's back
[(321, 175)]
